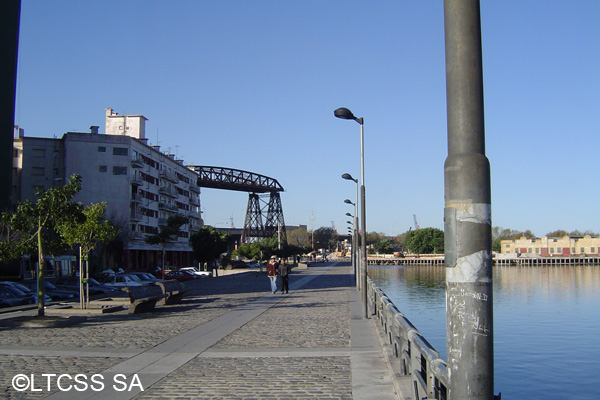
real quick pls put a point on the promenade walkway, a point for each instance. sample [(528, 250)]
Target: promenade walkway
[(231, 338)]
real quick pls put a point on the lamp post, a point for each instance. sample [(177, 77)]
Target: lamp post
[(357, 268), (355, 262), (345, 113)]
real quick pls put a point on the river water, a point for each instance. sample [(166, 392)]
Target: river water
[(546, 325)]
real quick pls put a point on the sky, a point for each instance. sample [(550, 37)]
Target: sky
[(252, 85)]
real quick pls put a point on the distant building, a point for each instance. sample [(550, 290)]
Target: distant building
[(553, 246), (141, 185)]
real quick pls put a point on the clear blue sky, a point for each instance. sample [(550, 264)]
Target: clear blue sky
[(253, 84)]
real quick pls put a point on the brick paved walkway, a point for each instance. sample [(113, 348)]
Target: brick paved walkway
[(230, 339)]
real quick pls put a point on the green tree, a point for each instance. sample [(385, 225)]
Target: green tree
[(400, 240), (209, 244), (166, 235), (262, 250), (249, 251), (384, 246), (426, 241), (299, 237), (374, 237), (325, 238), (87, 234), (52, 208), (499, 234), (557, 233)]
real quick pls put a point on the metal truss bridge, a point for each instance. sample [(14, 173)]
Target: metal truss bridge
[(264, 218)]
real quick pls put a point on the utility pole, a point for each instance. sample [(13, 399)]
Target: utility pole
[(467, 213)]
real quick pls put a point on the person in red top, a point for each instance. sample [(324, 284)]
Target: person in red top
[(272, 271)]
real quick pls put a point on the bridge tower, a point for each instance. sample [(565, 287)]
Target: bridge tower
[(274, 222)]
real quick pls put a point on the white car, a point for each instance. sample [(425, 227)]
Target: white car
[(195, 271), (121, 281)]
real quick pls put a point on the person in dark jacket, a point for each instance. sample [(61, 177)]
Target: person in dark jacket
[(272, 270), (284, 275)]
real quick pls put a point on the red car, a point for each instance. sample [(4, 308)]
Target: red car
[(181, 276)]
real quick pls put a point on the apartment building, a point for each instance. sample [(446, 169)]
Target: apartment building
[(553, 246), (141, 185)]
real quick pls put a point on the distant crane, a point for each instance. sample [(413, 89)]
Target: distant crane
[(417, 227), (333, 226)]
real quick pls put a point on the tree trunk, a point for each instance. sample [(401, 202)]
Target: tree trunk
[(40, 275)]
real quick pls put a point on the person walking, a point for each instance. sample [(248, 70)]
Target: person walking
[(272, 271), (284, 275)]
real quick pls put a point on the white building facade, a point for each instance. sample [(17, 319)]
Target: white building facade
[(141, 185)]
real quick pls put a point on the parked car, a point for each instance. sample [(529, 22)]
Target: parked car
[(10, 297), (196, 271), (51, 290), (72, 283), (181, 275), (31, 293), (146, 277), (238, 264), (121, 280)]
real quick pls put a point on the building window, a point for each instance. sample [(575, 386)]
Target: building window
[(15, 153), (592, 249), (120, 151), (101, 149), (38, 171), (38, 153), (119, 170), (559, 250), (102, 168), (537, 250), (529, 250), (582, 250)]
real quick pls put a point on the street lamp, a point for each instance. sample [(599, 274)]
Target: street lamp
[(355, 237), (355, 262), (345, 113)]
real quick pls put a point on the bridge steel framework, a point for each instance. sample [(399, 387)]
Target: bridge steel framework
[(263, 218)]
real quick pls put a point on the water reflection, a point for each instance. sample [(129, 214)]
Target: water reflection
[(544, 317)]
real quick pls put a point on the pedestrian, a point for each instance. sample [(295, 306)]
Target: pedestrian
[(272, 270), (284, 275)]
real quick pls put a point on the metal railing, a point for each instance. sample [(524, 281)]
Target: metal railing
[(416, 357)]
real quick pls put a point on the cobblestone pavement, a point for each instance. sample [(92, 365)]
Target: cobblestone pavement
[(297, 348), (257, 379)]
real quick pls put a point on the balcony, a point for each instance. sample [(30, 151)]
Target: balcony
[(167, 191), (194, 214), (137, 162), (194, 188), (137, 235), (162, 222), (136, 179), (169, 176), (168, 207), (136, 215), (193, 227), (136, 198), (195, 201)]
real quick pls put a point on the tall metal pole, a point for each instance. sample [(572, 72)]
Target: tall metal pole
[(10, 12), (344, 113), (467, 213), (363, 216), (355, 244)]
